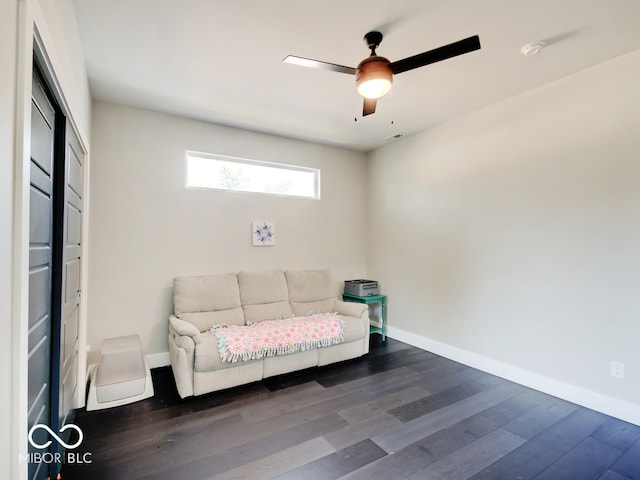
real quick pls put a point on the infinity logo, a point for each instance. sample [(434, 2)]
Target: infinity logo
[(53, 434)]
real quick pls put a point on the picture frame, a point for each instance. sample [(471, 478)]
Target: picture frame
[(263, 233)]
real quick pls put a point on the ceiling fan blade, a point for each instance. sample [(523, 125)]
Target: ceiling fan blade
[(437, 54), (369, 106), (306, 62)]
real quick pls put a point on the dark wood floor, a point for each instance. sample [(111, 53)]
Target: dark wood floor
[(399, 412)]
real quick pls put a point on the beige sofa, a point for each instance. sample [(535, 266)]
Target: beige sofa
[(248, 297)]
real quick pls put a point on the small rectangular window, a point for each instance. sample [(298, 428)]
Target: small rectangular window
[(243, 175)]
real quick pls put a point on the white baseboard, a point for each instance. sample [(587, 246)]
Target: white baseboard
[(156, 360), (623, 410)]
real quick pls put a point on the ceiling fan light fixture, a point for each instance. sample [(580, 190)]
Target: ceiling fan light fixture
[(374, 77)]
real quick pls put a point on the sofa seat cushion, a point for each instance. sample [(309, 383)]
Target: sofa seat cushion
[(239, 343), (207, 357)]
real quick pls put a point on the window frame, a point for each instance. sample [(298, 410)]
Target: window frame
[(317, 194)]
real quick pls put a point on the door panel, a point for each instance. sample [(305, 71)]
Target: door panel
[(40, 268), (70, 338), (72, 284), (55, 239), (42, 129), (74, 225), (75, 172), (39, 286), (73, 208), (40, 228)]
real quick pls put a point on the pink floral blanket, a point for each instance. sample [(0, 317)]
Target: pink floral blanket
[(277, 337)]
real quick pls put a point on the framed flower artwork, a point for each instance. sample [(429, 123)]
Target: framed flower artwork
[(263, 233)]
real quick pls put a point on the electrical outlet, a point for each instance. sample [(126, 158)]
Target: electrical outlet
[(617, 369)]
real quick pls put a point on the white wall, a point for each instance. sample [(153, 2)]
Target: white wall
[(147, 228), (510, 237)]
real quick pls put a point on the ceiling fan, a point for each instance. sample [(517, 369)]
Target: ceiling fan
[(374, 74)]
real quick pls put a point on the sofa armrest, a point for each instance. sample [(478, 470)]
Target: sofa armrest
[(186, 329), (182, 337), (352, 309)]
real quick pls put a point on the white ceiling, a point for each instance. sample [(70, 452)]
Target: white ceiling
[(221, 60)]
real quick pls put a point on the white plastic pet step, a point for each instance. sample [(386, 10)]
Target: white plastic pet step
[(122, 376)]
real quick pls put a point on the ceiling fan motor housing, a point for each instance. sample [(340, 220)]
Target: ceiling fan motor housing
[(373, 40), (374, 77)]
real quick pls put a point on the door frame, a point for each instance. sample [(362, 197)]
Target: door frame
[(35, 39)]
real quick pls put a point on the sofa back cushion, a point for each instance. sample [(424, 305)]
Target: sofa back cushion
[(310, 291), (266, 311), (208, 300), (264, 295), (205, 320), (262, 287)]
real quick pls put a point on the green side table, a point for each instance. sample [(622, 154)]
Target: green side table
[(382, 300)]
